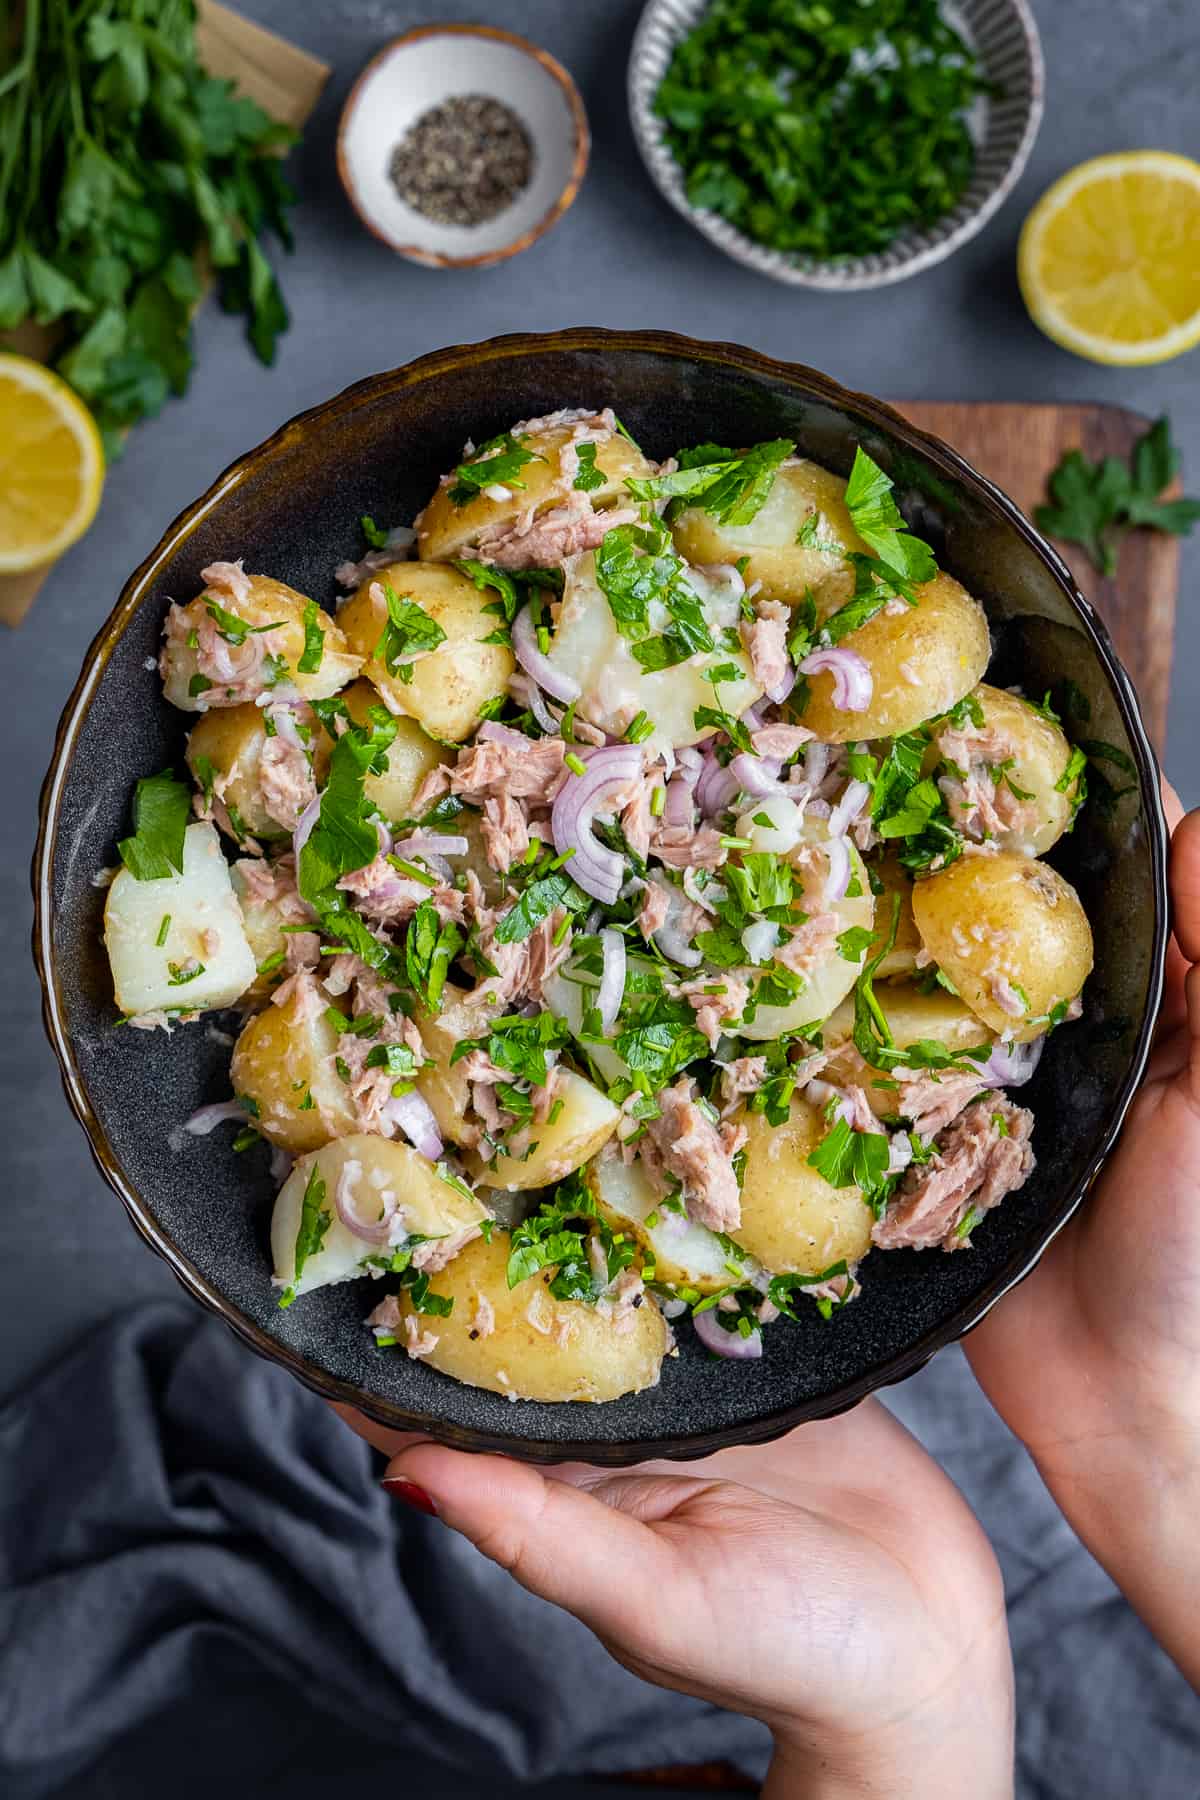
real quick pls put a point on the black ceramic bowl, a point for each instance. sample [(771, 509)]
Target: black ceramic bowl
[(291, 508)]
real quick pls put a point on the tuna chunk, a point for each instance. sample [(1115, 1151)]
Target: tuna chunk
[(549, 538), (982, 1156), (930, 1102), (766, 640), (685, 1143)]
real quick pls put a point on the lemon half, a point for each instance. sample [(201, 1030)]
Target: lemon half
[(1109, 258), (51, 465)]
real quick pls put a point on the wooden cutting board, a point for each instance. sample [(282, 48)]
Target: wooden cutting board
[(1017, 446)]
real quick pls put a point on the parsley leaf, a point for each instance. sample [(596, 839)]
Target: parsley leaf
[(498, 463), (314, 1223), (589, 477), (430, 946), (733, 487), (313, 653), (375, 535), (408, 630), (662, 1042), (880, 524), (638, 566), (162, 807), (1095, 504), (485, 576), (537, 903), (849, 1158)]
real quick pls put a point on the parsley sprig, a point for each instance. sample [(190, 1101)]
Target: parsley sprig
[(1096, 503)]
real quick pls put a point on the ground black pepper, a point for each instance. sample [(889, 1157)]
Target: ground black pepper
[(464, 161)]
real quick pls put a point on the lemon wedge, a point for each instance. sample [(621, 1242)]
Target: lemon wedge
[(51, 465), (1109, 258)]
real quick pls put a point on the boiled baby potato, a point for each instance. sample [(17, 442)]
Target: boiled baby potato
[(683, 1253), (802, 491), (585, 1124), (443, 1085), (922, 661), (1025, 756), (895, 882), (226, 747), (265, 602), (537, 1348), (1011, 935), (450, 684), (833, 977), (411, 755), (446, 531), (587, 647), (793, 1221), (284, 1062), (375, 1171), (178, 943), (911, 1015)]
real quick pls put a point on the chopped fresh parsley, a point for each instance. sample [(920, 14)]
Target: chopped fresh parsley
[(162, 807), (182, 973), (849, 1158), (498, 463), (314, 1223), (313, 653), (409, 631), (731, 485), (537, 903), (430, 946), (637, 567), (485, 576), (880, 524), (589, 477), (661, 1042), (233, 629), (375, 535), (854, 942), (784, 1288)]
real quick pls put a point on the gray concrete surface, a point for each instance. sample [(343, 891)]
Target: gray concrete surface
[(1121, 73)]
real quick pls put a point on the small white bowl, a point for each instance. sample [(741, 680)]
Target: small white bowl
[(420, 70), (1005, 39)]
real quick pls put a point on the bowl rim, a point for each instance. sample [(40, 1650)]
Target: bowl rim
[(139, 587), (436, 259), (850, 276)]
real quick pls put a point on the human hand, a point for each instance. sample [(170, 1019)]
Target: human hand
[(833, 1584), (1094, 1360)]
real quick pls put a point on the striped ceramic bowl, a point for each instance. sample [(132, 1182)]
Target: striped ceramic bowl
[(1004, 37)]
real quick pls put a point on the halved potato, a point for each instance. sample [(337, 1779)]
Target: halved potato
[(922, 659), (411, 755), (587, 647), (537, 1348), (445, 531), (376, 1170), (178, 943), (683, 1253), (802, 491), (793, 1221), (444, 1086), (268, 602), (1010, 933), (448, 685), (585, 1124), (911, 1015), (284, 1062), (1024, 758)]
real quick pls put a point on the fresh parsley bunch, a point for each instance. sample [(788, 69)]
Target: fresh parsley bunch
[(124, 170)]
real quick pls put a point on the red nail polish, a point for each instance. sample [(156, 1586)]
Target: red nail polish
[(410, 1493)]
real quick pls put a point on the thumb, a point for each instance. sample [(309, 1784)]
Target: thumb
[(557, 1540)]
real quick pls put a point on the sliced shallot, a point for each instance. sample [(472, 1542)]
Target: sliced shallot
[(558, 685), (611, 991), (598, 870), (853, 683), (714, 1337)]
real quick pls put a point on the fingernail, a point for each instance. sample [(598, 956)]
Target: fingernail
[(409, 1493)]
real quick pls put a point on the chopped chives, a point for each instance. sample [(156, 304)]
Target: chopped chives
[(575, 763), (270, 962), (658, 801), (639, 728), (412, 871), (163, 929), (558, 861), (563, 927), (543, 640), (734, 843), (534, 850), (400, 1088)]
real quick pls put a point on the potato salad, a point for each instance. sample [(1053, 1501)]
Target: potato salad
[(633, 899)]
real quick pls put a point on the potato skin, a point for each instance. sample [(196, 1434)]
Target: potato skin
[(585, 1124), (943, 639), (411, 755), (446, 531), (785, 568), (910, 1014), (1040, 754), (429, 1205), (231, 739), (451, 683), (792, 1220), (682, 1252), (901, 959), (1002, 918), (269, 602), (596, 1360), (281, 1057)]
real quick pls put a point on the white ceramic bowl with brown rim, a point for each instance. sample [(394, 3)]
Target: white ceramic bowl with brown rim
[(417, 72)]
